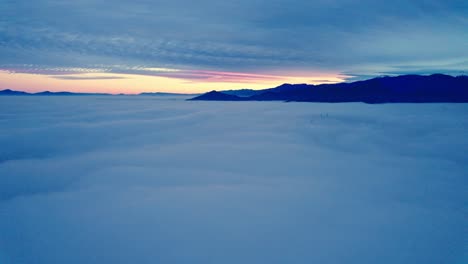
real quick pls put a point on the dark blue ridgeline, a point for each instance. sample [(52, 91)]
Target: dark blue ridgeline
[(399, 89)]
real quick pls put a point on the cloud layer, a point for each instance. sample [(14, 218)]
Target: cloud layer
[(145, 180), (347, 36)]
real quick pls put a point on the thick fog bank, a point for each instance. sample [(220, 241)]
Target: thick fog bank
[(150, 180)]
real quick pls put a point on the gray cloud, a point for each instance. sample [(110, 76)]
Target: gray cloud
[(361, 37), (126, 179)]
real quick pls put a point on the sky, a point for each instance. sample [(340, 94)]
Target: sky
[(131, 46)]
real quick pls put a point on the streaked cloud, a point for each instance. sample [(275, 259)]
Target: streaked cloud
[(73, 78), (118, 72), (44, 70)]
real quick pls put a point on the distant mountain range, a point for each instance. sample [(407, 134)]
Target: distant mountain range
[(398, 89), (242, 92), (167, 94), (219, 96), (48, 93)]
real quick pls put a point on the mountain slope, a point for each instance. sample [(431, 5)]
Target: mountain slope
[(398, 89), (11, 92), (217, 96)]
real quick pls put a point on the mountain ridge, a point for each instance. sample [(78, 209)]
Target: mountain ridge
[(66, 93), (385, 89)]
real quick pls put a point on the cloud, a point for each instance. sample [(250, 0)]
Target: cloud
[(47, 70), (360, 37), (73, 78), (64, 73), (126, 179), (202, 75)]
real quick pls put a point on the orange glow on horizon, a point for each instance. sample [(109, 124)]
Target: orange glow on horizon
[(134, 83)]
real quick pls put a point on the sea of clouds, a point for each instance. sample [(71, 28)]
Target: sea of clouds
[(134, 179)]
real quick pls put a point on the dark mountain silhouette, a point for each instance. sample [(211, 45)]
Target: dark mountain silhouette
[(217, 96), (405, 88), (242, 92), (11, 92), (398, 89), (48, 93)]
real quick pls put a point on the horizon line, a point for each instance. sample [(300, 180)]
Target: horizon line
[(208, 90)]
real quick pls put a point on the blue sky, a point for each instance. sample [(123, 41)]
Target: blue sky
[(296, 40)]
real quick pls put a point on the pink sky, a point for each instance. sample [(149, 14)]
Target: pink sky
[(149, 80)]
